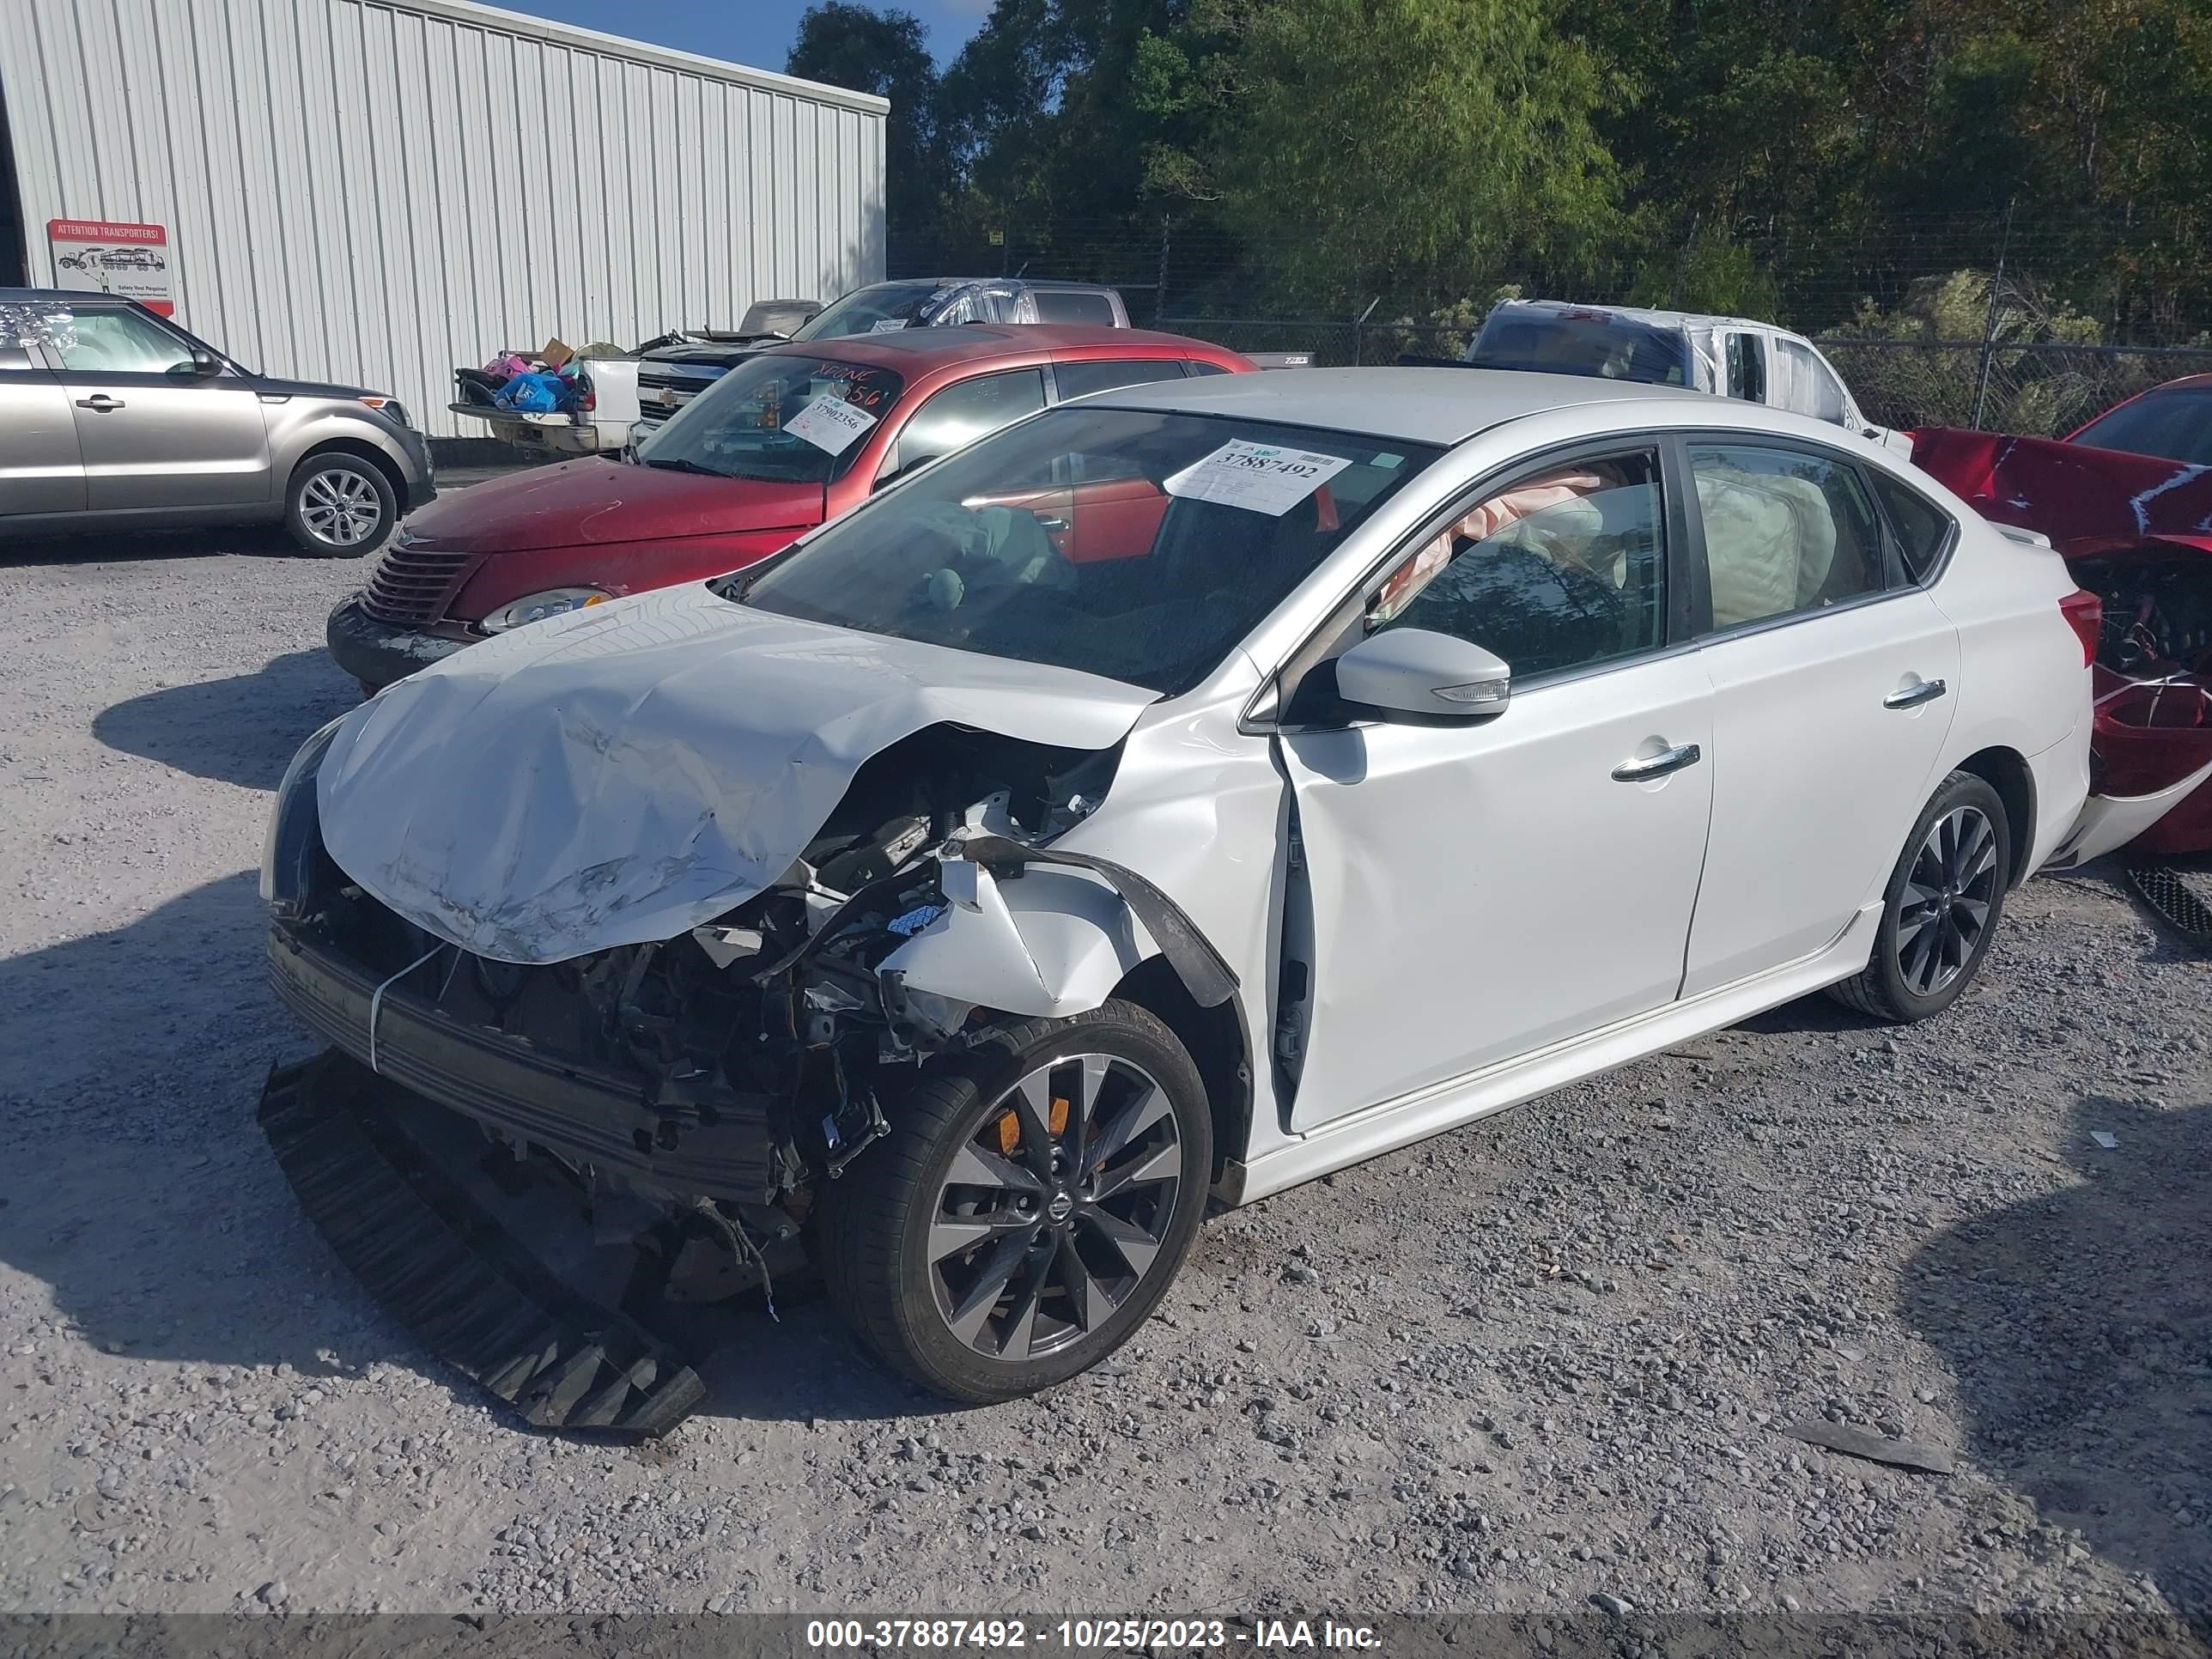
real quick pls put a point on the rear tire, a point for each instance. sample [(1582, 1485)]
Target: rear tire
[(339, 506), (1941, 909), (1060, 1242)]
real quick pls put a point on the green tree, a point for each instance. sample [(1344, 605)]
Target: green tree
[(886, 52), (1412, 147)]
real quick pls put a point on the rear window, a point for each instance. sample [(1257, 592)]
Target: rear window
[(1081, 379), (1593, 342), (2173, 425), (1063, 305), (1922, 529)]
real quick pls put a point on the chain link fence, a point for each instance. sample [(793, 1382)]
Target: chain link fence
[(1990, 320)]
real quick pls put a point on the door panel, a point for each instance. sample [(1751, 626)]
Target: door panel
[(1478, 892), (149, 437), (1832, 682), (1816, 780), (150, 442), (40, 471)]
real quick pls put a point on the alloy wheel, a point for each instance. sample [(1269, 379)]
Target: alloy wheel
[(1947, 899), (1056, 1209), (341, 506)]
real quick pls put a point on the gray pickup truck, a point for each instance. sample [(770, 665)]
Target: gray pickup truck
[(670, 379)]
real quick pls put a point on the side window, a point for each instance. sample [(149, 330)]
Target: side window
[(1063, 305), (960, 414), (1785, 531), (1922, 529), (99, 341), (1195, 369), (1747, 367), (1805, 384), (1081, 379), (1560, 570)]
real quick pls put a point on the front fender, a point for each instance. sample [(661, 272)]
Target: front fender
[(302, 424), (1048, 943)]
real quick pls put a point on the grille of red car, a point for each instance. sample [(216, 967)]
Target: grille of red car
[(412, 584)]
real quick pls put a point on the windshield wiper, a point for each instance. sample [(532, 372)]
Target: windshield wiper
[(685, 466)]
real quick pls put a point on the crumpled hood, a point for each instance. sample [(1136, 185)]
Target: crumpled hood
[(594, 502), (627, 771)]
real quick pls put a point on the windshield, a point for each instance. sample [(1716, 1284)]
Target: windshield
[(2173, 426), (1137, 546), (867, 310), (786, 418), (1592, 343)]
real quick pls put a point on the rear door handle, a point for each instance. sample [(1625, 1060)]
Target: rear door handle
[(1659, 765), (101, 401), (1913, 695)]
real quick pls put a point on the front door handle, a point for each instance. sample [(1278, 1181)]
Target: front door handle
[(1913, 695), (1659, 765), (101, 401)]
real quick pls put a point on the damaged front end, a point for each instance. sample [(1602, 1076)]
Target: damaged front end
[(686, 1097)]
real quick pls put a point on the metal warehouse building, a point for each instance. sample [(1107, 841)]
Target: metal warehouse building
[(372, 192)]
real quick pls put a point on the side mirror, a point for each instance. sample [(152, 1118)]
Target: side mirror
[(1414, 670), (201, 367)]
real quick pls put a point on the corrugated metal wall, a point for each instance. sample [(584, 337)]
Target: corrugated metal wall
[(373, 193)]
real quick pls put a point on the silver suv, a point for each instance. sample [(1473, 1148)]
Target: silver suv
[(111, 416)]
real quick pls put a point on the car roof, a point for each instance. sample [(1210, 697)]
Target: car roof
[(1644, 315), (16, 296), (991, 282), (1418, 406), (915, 350)]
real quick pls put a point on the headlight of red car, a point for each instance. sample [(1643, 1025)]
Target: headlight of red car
[(536, 607)]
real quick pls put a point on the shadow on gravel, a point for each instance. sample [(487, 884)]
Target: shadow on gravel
[(242, 730), (245, 541), (2079, 1325), (135, 1183)]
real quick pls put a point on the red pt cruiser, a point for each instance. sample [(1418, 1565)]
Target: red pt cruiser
[(785, 441)]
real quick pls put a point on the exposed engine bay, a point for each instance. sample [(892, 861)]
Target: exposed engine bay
[(780, 1001), (745, 1060)]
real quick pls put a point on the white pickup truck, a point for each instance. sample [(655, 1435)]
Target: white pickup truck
[(1729, 356), (607, 387)]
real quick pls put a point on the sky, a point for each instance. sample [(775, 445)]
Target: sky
[(758, 32)]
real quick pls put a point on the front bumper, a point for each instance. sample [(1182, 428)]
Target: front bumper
[(421, 470), (375, 651), (587, 1114)]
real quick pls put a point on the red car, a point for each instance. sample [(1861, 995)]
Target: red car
[(787, 440), (2128, 501)]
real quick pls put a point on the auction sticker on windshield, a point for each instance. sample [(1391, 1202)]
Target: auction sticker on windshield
[(829, 422), (1258, 477)]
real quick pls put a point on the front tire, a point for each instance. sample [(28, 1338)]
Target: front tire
[(1027, 1209), (1940, 909), (339, 506)]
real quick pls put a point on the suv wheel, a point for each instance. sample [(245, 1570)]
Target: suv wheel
[(1940, 909), (1023, 1217), (339, 506)]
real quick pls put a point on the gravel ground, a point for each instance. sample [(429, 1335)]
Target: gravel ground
[(1544, 1358)]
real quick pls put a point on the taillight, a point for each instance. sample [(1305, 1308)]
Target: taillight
[(587, 399), (2085, 615)]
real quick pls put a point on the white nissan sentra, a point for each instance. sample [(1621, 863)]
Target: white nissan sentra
[(1182, 793)]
